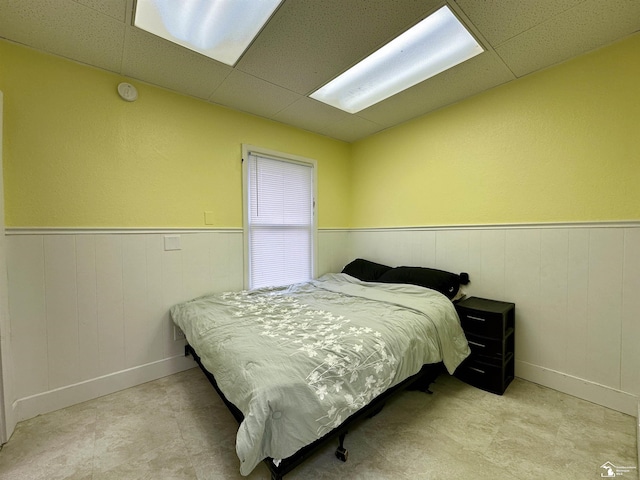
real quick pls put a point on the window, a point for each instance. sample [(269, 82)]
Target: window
[(279, 218)]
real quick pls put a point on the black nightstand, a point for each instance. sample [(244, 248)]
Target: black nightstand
[(489, 326)]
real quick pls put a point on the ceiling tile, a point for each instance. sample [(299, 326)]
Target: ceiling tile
[(65, 28), (351, 129), (114, 8), (307, 43), (310, 114), (469, 78), (587, 26), (157, 61), (250, 94), (500, 21)]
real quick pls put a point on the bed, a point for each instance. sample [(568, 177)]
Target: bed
[(297, 364)]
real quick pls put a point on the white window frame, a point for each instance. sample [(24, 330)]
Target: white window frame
[(246, 151)]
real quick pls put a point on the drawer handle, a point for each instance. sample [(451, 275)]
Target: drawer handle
[(476, 318), (477, 370), (476, 344)]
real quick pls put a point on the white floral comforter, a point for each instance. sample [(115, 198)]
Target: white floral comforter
[(298, 360)]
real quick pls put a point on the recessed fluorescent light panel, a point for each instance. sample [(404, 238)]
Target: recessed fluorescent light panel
[(219, 29), (434, 45)]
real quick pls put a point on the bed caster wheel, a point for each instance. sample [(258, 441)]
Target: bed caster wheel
[(342, 453)]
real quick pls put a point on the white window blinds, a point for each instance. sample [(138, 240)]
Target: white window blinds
[(279, 216)]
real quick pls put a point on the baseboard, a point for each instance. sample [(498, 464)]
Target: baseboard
[(45, 402), (578, 387)]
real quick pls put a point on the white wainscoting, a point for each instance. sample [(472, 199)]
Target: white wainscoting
[(576, 288), (333, 251), (89, 309)]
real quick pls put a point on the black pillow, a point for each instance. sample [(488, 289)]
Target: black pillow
[(444, 282), (365, 270)]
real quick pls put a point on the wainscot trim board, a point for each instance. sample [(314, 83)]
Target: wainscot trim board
[(502, 226), (68, 395), (174, 230), (111, 231), (578, 387)]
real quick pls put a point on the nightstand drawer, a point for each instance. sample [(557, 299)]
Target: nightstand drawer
[(483, 375), (484, 317), (486, 324), (491, 348)]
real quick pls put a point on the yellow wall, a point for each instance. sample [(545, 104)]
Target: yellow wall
[(559, 145), (76, 155)]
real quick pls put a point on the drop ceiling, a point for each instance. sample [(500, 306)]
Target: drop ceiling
[(306, 43)]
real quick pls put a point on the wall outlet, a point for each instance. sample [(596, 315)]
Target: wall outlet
[(177, 334)]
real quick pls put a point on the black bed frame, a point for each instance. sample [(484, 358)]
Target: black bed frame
[(420, 381)]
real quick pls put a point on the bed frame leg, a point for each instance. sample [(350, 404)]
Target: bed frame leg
[(341, 452)]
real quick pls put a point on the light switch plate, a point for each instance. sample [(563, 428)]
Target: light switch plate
[(208, 218), (172, 242)]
